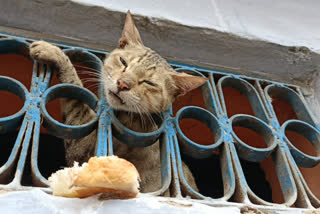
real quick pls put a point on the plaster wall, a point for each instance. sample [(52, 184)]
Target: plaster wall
[(291, 23)]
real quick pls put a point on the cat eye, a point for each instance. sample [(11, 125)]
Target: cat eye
[(123, 62), (147, 82)]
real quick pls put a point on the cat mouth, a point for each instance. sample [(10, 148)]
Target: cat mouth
[(116, 96)]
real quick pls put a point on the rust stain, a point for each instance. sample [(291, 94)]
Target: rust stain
[(176, 204)]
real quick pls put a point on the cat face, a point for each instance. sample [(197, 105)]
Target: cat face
[(137, 79)]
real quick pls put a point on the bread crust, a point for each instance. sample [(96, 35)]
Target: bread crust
[(116, 177), (108, 193)]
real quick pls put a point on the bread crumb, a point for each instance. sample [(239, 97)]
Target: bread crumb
[(250, 210)]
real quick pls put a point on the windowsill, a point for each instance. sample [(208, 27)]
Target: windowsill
[(37, 201)]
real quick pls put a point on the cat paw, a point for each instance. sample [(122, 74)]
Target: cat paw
[(45, 52)]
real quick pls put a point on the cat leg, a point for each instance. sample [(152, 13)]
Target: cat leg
[(74, 112), (147, 162), (189, 177), (47, 53)]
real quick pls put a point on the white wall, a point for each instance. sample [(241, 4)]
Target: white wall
[(286, 22)]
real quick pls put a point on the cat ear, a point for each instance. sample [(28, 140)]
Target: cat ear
[(130, 33), (185, 82)]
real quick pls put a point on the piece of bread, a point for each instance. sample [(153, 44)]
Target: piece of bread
[(116, 177)]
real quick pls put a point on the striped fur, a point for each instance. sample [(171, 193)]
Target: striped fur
[(153, 86)]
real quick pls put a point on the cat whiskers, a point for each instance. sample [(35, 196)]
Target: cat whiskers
[(147, 114), (95, 79), (142, 119), (100, 73), (134, 105), (86, 67), (94, 82), (131, 117), (92, 71), (132, 102)]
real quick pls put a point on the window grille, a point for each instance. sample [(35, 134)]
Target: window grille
[(232, 153)]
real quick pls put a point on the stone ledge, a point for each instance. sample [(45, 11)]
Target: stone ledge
[(37, 201)]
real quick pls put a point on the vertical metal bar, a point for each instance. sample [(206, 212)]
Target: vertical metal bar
[(266, 104), (23, 155), (38, 179), (303, 100), (175, 184), (179, 166), (8, 166), (165, 161), (110, 142), (102, 141), (241, 191), (216, 96), (39, 84)]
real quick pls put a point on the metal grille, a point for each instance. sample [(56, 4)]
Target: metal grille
[(229, 147)]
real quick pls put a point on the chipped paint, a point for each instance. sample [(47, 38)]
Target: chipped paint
[(231, 148)]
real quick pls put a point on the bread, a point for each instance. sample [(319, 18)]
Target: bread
[(114, 176)]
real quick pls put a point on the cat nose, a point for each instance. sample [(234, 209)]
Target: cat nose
[(123, 85)]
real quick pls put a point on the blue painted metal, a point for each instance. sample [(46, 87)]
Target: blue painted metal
[(173, 141), (246, 89), (310, 133), (74, 92), (165, 158), (13, 121), (246, 151), (133, 138), (192, 148), (294, 99)]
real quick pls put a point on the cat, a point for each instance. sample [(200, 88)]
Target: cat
[(136, 80)]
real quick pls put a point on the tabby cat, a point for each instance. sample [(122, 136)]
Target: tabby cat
[(137, 82)]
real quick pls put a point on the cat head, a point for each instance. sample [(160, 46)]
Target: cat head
[(137, 79)]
